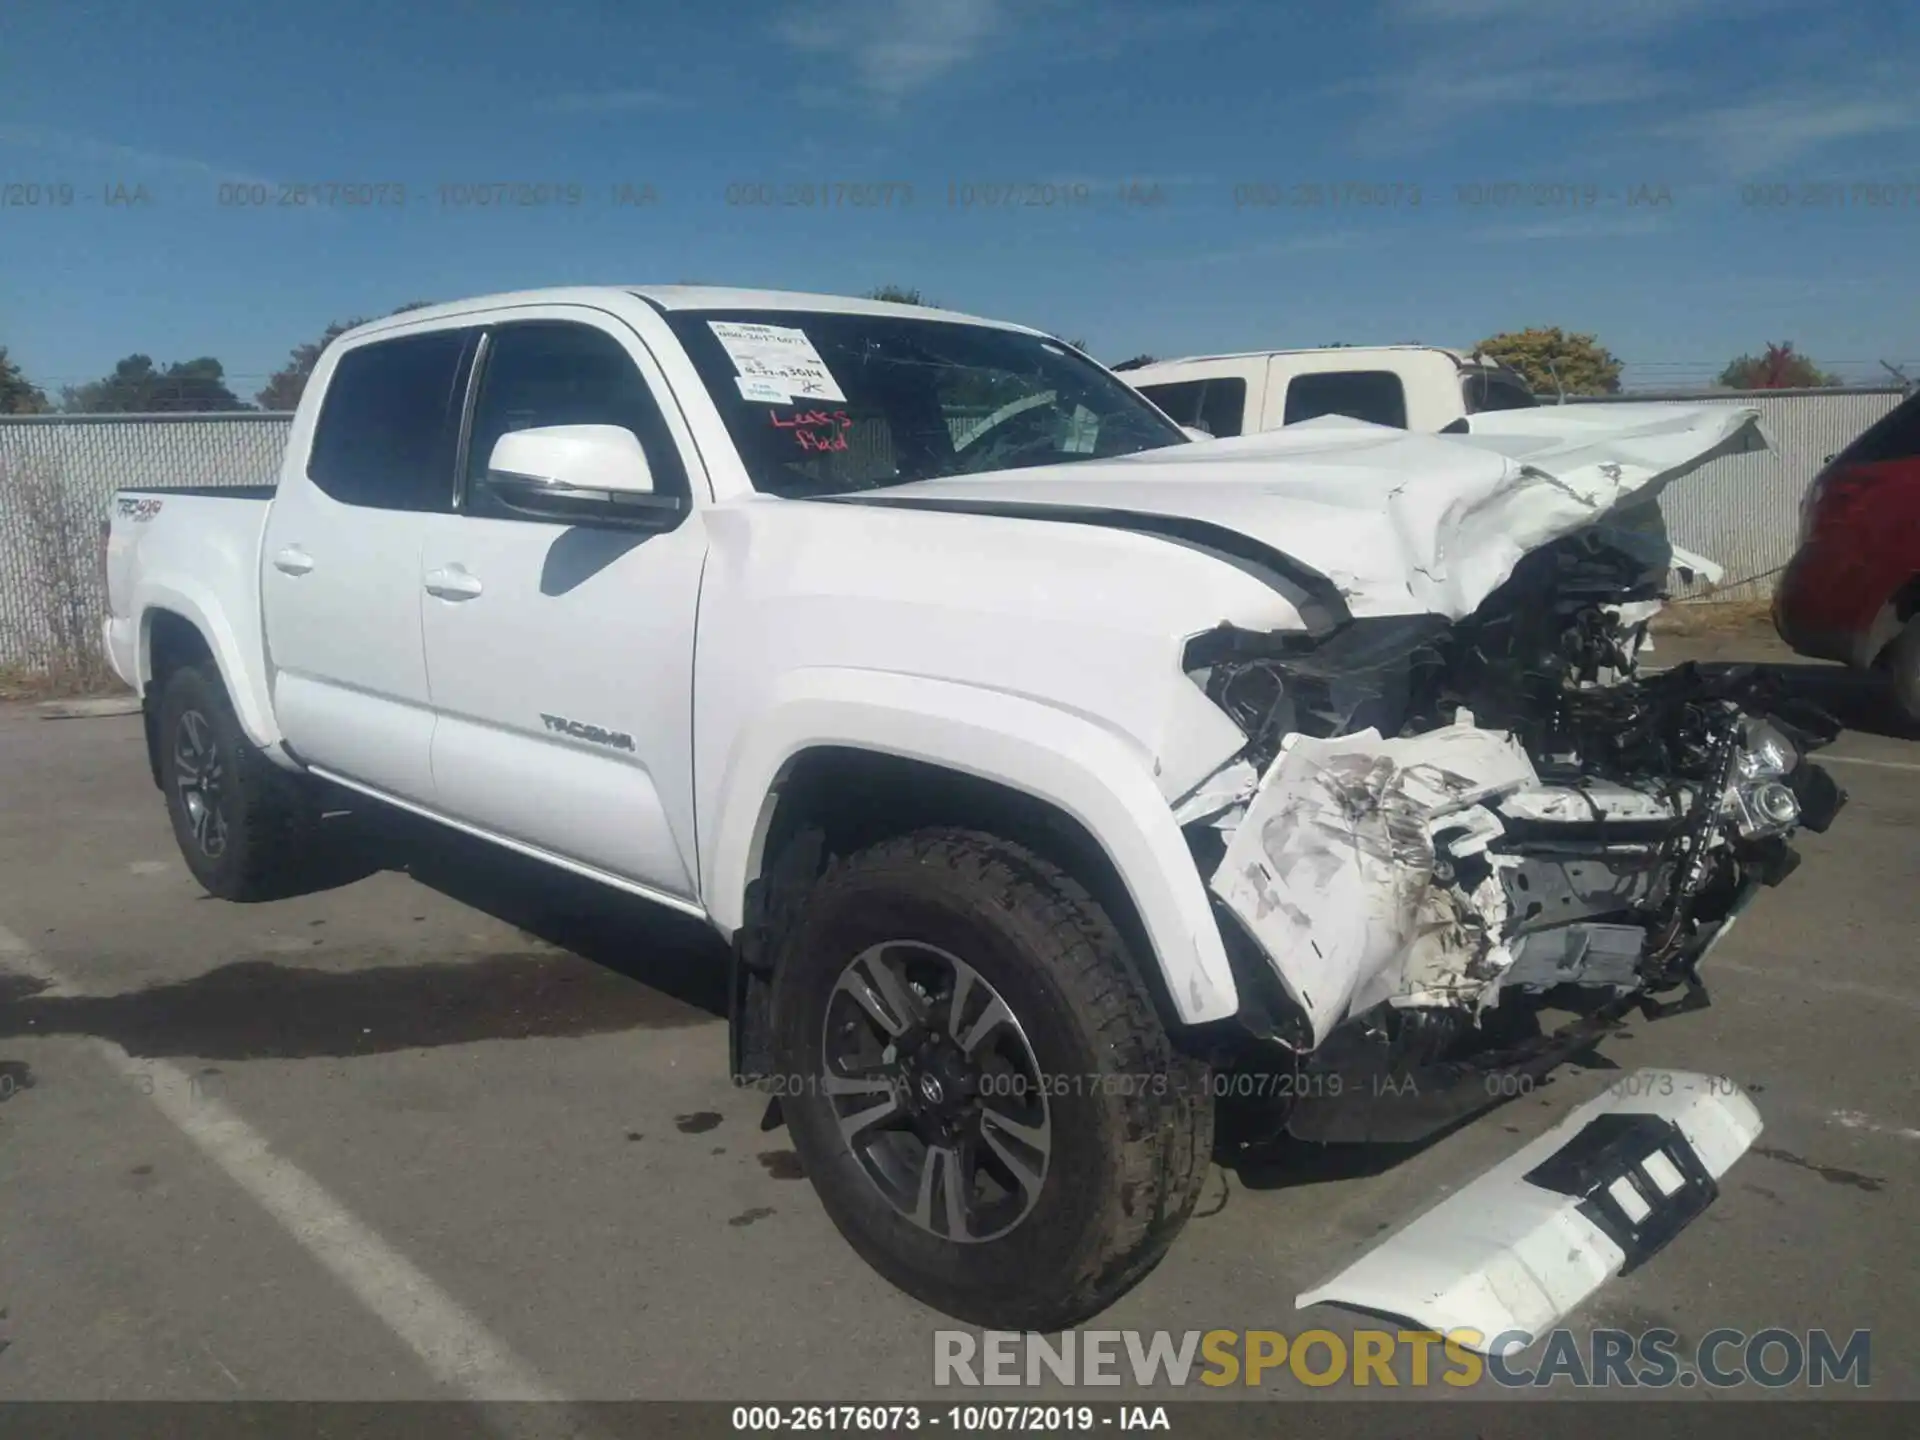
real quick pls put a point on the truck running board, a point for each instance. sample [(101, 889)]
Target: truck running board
[(1509, 1255)]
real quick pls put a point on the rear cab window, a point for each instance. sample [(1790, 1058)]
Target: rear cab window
[(389, 422), (1376, 396)]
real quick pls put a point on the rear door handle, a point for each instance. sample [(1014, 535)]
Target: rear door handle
[(293, 561), (452, 583)]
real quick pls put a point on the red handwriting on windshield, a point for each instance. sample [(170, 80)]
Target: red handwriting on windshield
[(809, 418), (807, 423)]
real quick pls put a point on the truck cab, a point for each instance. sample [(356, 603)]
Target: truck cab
[(1408, 387)]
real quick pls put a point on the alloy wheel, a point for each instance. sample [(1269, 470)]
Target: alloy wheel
[(199, 775), (936, 1090)]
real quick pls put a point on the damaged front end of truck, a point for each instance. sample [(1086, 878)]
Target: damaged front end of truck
[(1456, 852)]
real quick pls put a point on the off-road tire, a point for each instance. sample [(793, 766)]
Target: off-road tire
[(1132, 1117), (1903, 672), (270, 815)]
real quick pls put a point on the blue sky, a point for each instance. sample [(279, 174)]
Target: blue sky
[(1232, 110)]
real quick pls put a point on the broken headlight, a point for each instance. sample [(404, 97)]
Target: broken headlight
[(1765, 753), (1366, 673), (1760, 801)]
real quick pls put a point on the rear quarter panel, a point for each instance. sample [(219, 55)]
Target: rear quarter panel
[(196, 555)]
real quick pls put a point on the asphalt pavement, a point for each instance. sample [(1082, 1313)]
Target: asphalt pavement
[(458, 1126)]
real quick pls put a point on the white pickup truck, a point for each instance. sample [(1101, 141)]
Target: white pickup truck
[(1057, 781), (1408, 387)]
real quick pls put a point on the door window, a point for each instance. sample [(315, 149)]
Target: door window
[(543, 372), (388, 423)]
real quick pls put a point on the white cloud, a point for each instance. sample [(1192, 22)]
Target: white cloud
[(1589, 19), (1308, 242), (1472, 62), (1765, 136), (609, 102), (1574, 227), (85, 150), (895, 47)]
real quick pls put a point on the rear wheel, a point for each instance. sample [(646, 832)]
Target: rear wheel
[(244, 826), (977, 1084)]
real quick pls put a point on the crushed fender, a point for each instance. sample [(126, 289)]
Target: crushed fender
[(1331, 868)]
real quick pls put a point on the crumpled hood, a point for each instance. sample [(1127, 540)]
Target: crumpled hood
[(1400, 523)]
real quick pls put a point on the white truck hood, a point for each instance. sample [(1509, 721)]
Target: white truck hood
[(1400, 523)]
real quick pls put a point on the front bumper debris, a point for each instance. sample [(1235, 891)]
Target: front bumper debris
[(1331, 868), (1439, 871), (1507, 1256)]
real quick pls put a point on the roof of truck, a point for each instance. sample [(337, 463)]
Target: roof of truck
[(1461, 357), (683, 297)]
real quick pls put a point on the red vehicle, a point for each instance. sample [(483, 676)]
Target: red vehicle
[(1852, 590)]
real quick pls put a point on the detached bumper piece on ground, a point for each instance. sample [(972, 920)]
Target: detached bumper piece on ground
[(1509, 1255)]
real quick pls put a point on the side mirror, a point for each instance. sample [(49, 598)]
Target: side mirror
[(577, 475), (1194, 432)]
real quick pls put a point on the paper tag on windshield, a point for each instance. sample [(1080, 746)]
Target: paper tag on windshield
[(781, 355), (762, 392)]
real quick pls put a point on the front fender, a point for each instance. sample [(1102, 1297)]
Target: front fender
[(1101, 779)]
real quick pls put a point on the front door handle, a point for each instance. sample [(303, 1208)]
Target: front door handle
[(293, 561), (452, 583)]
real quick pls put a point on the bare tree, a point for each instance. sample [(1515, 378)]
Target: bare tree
[(50, 630)]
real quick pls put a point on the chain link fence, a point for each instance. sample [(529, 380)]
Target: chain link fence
[(57, 476), (58, 473), (1743, 511)]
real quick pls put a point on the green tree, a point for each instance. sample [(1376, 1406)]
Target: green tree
[(19, 395), (138, 387), (1780, 368), (287, 384), (1553, 361)]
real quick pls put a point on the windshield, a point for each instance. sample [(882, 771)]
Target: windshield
[(821, 403)]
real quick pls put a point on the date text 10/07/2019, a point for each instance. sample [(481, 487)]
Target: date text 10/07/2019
[(954, 1419)]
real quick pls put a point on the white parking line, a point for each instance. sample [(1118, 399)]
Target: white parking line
[(1854, 1120), (1862, 760), (456, 1348)]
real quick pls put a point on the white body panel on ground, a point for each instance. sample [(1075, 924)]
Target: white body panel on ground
[(1503, 1255)]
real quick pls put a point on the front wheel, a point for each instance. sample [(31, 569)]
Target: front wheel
[(978, 1085), (244, 826)]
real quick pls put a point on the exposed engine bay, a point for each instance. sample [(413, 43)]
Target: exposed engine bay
[(1439, 830)]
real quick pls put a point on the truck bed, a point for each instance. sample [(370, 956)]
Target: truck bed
[(186, 545)]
